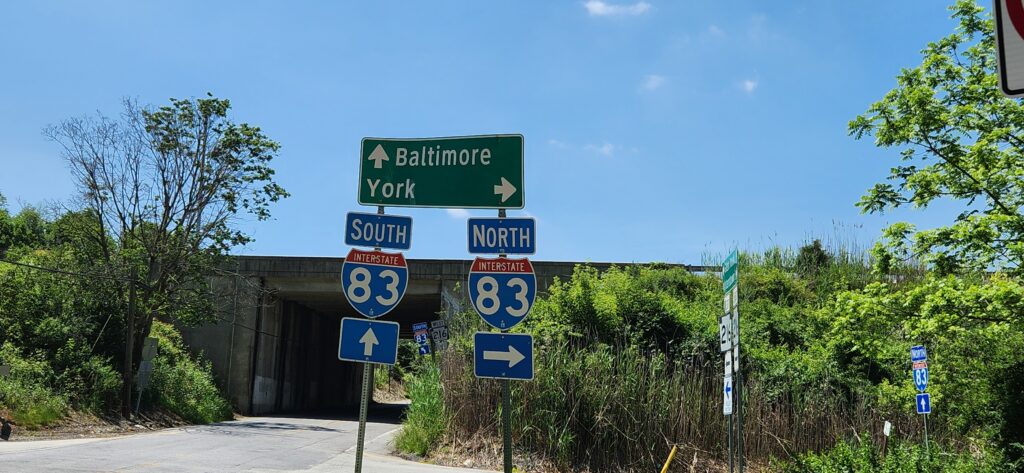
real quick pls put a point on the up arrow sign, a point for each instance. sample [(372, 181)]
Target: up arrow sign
[(512, 356), (377, 156), (505, 189), (368, 340)]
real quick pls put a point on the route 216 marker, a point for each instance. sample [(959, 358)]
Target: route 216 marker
[(368, 341), (374, 282), (502, 290)]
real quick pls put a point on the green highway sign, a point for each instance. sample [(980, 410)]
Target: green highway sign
[(463, 172), (729, 270)]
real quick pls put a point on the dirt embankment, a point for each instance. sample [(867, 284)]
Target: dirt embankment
[(84, 425)]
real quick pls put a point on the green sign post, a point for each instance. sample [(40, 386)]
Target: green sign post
[(730, 277), (461, 172)]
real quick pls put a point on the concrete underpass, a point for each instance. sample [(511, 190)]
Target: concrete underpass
[(274, 347)]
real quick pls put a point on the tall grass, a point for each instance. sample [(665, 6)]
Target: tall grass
[(426, 419), (622, 409)]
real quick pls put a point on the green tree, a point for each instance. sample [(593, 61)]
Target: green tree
[(166, 187), (960, 139)]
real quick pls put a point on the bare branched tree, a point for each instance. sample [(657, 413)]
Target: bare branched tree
[(168, 186)]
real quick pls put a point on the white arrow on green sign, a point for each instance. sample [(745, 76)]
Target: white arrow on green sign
[(461, 172)]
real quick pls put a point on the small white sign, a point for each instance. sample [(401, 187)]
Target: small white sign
[(727, 397), (725, 337), (1009, 16), (727, 357), (887, 429)]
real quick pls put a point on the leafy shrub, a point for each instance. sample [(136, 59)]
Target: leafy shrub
[(183, 385), (866, 457), (24, 394)]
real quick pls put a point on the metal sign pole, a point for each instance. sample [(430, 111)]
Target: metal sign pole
[(363, 405), (927, 453), (739, 393), (506, 405), (730, 443), (364, 399), (506, 423)]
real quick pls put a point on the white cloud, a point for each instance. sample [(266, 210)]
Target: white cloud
[(653, 82), (457, 213), (714, 30), (749, 85), (601, 8), (606, 149), (558, 143)]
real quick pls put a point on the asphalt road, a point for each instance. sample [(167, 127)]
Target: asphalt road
[(256, 444)]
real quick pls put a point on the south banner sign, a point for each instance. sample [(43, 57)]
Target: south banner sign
[(378, 230), (455, 172), (374, 281), (1009, 16), (502, 290)]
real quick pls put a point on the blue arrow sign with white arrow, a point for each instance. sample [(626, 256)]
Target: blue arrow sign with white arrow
[(503, 355), (368, 341), (924, 403)]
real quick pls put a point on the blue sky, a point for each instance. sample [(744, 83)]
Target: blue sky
[(655, 130)]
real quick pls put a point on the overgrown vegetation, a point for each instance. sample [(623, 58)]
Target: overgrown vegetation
[(182, 384), (898, 457), (63, 332), (628, 364), (161, 190)]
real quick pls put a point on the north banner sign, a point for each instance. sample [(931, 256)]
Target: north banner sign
[(457, 172), (378, 230), (493, 236), (368, 341), (918, 353), (374, 281), (502, 290), (1009, 16)]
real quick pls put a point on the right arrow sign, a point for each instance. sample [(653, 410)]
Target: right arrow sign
[(455, 172), (503, 355)]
